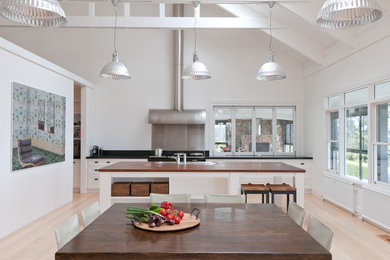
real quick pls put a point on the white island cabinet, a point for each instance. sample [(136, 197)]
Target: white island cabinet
[(222, 178)]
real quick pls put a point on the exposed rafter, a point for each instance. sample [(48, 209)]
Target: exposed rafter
[(293, 41)]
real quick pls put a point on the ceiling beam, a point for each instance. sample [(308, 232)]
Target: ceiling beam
[(159, 22), (191, 1), (287, 37)]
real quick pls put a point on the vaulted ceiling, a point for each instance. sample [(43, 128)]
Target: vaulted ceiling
[(294, 23)]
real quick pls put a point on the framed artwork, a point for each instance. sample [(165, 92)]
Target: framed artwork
[(38, 127)]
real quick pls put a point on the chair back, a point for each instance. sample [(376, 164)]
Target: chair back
[(90, 213), (24, 148), (67, 230), (320, 232), (174, 198), (225, 199), (296, 213)]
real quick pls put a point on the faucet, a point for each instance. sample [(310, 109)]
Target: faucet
[(177, 158)]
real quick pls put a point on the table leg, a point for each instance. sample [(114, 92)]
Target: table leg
[(288, 200), (299, 183), (262, 198), (267, 198), (272, 198)]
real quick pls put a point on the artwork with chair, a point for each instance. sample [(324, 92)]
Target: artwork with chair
[(38, 127), (67, 230), (320, 232), (296, 213), (223, 199), (174, 198), (90, 213)]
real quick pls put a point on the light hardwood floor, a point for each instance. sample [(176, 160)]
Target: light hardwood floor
[(353, 238)]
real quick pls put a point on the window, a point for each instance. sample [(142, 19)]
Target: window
[(243, 130), (382, 145), (272, 129), (356, 142), (223, 130), (333, 142), (382, 90)]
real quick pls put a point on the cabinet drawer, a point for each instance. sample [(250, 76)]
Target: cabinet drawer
[(93, 181)]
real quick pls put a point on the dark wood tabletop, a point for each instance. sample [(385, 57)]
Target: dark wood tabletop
[(219, 167), (248, 231)]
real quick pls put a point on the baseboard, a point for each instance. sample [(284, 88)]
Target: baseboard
[(316, 192), (337, 205), (375, 223)]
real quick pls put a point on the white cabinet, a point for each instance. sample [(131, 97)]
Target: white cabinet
[(76, 175), (93, 166)]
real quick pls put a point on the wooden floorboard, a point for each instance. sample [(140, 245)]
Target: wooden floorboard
[(353, 238)]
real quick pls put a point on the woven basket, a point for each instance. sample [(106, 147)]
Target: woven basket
[(159, 187), (140, 189), (120, 189)]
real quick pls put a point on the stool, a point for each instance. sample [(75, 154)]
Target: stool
[(282, 189), (255, 189)]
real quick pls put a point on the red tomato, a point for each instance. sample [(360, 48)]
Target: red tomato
[(177, 220), (163, 212), (180, 214), (169, 217)]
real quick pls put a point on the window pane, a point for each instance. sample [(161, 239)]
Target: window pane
[(263, 130), (223, 130), (244, 130), (382, 163), (333, 102), (333, 156), (382, 90), (334, 126), (383, 123), (284, 130), (356, 128), (356, 97)]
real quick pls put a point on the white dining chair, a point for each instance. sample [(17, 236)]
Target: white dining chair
[(296, 213), (174, 198), (90, 213), (67, 230), (320, 232), (225, 199)]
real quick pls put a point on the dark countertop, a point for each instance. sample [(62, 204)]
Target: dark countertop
[(144, 154)]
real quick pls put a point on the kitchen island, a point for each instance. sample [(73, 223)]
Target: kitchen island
[(197, 178)]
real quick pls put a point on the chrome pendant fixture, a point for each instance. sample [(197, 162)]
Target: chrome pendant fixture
[(348, 13), (197, 70), (271, 70), (115, 69), (38, 13)]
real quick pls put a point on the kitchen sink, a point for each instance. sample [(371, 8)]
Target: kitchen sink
[(191, 163)]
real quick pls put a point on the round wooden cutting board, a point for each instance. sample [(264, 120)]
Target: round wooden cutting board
[(187, 221)]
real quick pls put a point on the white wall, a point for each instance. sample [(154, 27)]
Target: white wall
[(121, 107), (367, 66), (29, 194)]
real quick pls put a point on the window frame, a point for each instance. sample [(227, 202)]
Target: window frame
[(329, 140), (254, 118)]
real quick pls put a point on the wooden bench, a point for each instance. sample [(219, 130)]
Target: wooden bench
[(282, 189), (255, 189)]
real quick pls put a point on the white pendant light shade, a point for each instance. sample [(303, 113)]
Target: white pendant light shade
[(39, 13), (115, 69), (196, 71), (348, 13), (271, 71)]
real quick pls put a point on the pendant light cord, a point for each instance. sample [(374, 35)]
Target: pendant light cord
[(270, 31), (116, 18), (195, 33)]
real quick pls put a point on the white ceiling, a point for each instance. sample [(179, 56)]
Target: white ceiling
[(296, 32)]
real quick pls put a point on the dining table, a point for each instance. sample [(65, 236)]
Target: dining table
[(226, 231)]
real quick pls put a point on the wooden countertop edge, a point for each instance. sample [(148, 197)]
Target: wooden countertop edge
[(198, 170)]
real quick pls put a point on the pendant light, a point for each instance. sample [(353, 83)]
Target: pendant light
[(39, 13), (197, 70), (271, 70), (115, 69), (348, 13)]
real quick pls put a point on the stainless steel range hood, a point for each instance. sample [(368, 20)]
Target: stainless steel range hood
[(175, 116), (178, 129)]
